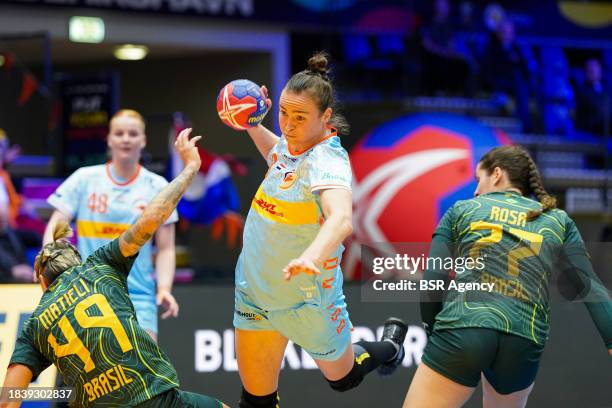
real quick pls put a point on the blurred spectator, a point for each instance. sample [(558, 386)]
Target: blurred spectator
[(467, 18), (7, 154), (13, 260), (4, 201), (506, 71), (593, 106), (446, 67)]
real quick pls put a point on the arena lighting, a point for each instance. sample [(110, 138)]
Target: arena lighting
[(594, 14), (130, 52), (86, 29)]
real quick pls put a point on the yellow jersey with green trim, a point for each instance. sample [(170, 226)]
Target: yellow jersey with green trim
[(512, 255), (86, 326), (285, 216)]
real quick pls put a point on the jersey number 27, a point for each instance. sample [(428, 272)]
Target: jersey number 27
[(532, 240)]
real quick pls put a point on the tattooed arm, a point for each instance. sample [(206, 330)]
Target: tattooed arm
[(160, 208)]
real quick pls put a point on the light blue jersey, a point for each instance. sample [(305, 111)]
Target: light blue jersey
[(285, 216), (104, 207)]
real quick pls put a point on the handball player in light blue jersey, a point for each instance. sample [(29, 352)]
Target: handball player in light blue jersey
[(288, 276), (106, 199)]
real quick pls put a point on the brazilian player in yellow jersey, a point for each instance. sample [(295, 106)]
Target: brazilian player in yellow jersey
[(85, 323), (499, 335)]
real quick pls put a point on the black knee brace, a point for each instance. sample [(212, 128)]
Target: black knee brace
[(349, 381), (253, 401)]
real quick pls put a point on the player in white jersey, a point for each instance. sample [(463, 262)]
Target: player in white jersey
[(106, 199), (288, 276)]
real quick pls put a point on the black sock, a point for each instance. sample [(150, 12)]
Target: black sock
[(371, 354), (368, 356), (249, 400)]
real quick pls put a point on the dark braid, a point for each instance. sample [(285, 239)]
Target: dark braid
[(522, 174), (537, 188)]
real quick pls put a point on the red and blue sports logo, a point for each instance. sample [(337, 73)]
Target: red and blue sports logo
[(241, 104), (408, 172)]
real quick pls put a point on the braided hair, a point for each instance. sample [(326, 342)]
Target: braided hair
[(316, 82), (522, 173), (57, 256)]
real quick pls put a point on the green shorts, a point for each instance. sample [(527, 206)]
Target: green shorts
[(509, 362), (176, 398)]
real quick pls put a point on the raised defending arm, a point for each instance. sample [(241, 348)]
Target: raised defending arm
[(160, 208)]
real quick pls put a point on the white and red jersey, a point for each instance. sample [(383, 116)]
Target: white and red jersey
[(104, 206), (285, 216)]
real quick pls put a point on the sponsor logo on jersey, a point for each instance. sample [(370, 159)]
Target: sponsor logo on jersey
[(288, 180), (112, 230), (286, 212), (104, 230), (267, 207), (332, 177), (291, 159), (248, 315), (325, 353)]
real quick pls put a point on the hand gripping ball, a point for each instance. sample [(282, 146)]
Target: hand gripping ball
[(241, 104)]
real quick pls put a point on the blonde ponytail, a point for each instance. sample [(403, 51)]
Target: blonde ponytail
[(57, 256)]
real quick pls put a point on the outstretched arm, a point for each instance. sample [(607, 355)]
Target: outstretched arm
[(337, 206), (17, 376), (160, 208)]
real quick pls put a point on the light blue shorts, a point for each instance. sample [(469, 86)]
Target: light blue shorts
[(146, 312), (323, 331)]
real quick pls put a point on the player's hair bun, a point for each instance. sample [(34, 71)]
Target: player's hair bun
[(318, 64)]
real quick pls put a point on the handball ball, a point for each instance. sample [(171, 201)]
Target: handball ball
[(241, 104)]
